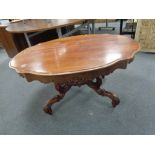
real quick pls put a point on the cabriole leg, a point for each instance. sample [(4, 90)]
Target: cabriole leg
[(96, 87), (62, 89)]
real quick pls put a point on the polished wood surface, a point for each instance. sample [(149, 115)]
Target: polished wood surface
[(74, 54), (13, 43), (76, 61), (34, 25)]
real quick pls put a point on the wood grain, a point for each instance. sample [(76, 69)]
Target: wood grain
[(74, 54), (34, 25)]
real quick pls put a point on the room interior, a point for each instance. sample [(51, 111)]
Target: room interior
[(81, 111)]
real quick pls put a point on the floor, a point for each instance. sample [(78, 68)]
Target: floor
[(82, 111), (3, 55)]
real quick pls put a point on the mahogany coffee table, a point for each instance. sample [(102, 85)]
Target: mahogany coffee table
[(75, 61)]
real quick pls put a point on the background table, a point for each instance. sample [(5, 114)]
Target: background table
[(75, 61), (12, 43), (41, 25)]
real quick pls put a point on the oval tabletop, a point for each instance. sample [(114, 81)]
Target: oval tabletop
[(74, 54), (34, 25)]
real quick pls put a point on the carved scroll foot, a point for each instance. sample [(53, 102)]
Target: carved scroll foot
[(113, 97), (47, 109), (96, 87), (62, 89)]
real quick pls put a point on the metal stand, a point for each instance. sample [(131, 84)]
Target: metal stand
[(107, 27), (93, 26), (27, 39), (59, 32), (60, 35), (132, 32)]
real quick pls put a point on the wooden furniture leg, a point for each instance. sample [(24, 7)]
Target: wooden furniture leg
[(96, 87), (62, 89)]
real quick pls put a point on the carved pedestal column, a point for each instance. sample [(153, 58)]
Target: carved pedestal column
[(63, 88)]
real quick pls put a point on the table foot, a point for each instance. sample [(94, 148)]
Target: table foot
[(96, 87), (113, 97), (62, 89)]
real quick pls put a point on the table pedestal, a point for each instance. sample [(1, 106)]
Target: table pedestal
[(63, 88)]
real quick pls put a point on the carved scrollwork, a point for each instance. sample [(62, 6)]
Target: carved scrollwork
[(77, 78), (63, 88), (96, 87)]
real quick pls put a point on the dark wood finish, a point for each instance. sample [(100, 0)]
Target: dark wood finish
[(12, 43), (96, 87), (75, 61), (0, 41), (7, 42), (63, 88), (34, 25)]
